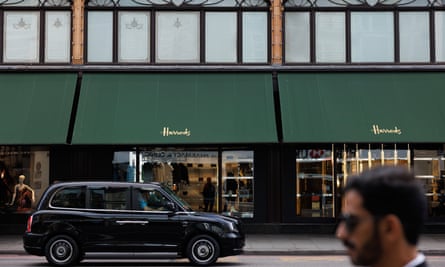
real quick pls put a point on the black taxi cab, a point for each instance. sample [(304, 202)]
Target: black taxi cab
[(77, 220)]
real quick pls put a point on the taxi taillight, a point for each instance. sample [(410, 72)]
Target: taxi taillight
[(28, 224)]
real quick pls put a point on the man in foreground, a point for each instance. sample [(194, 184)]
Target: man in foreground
[(382, 216)]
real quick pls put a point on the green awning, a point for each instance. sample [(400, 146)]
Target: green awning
[(175, 108), (36, 107), (363, 107)]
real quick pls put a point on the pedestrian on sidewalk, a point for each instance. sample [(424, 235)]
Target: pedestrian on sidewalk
[(382, 216)]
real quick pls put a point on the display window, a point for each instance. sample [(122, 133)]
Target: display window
[(314, 183), (321, 173), (24, 175), (354, 159), (209, 181), (238, 183), (429, 168), (185, 172)]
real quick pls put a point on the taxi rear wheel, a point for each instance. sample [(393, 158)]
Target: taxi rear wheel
[(62, 250)]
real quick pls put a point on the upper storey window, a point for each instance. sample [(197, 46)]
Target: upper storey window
[(177, 32), (35, 31), (363, 31)]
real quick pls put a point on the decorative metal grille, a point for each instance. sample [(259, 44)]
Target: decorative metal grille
[(178, 3), (36, 3), (363, 3)]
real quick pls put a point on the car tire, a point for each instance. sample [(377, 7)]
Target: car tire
[(62, 250), (203, 250)]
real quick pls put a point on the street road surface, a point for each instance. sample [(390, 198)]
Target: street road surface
[(241, 261)]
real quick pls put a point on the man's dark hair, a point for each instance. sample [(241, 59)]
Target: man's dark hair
[(392, 190)]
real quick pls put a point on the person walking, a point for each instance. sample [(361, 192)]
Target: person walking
[(383, 213), (209, 195)]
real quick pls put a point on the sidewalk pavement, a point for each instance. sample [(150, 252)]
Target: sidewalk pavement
[(275, 244)]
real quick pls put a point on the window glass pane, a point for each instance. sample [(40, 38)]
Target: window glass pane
[(330, 37), (34, 165), (134, 36), (110, 198), (372, 37), (150, 200), (185, 172), (69, 198), (238, 183), (58, 36), (429, 170), (255, 37), (21, 37), (100, 36), (221, 37), (355, 159), (414, 37), (439, 17), (177, 37), (297, 37), (315, 183)]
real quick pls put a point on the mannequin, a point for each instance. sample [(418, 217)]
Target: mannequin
[(23, 195)]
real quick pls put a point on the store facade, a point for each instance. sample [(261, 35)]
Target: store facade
[(278, 159), (118, 99), (355, 121), (186, 128)]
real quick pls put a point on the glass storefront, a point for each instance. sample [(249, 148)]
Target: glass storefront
[(315, 183), (186, 172), (322, 173)]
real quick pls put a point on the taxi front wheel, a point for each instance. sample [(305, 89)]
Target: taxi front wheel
[(203, 250)]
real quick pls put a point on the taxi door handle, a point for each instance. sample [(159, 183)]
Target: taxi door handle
[(132, 222)]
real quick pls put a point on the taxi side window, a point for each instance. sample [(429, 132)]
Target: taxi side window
[(151, 200), (109, 198), (73, 197)]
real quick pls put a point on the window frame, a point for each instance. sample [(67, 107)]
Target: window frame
[(202, 10), (348, 10), (42, 9)]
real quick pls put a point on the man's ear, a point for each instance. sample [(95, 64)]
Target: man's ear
[(391, 227)]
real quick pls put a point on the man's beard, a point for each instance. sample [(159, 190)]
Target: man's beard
[(370, 252)]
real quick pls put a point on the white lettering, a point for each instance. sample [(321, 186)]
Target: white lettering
[(376, 130), (167, 132)]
